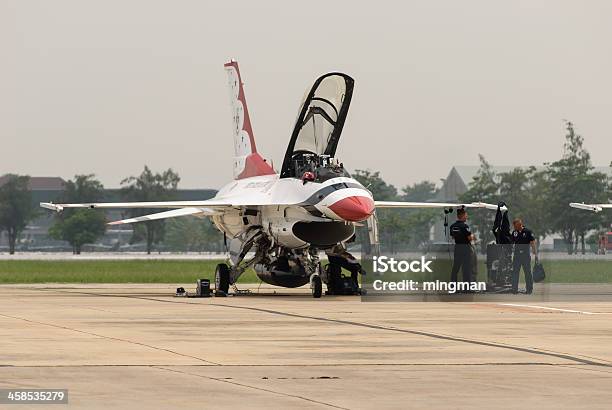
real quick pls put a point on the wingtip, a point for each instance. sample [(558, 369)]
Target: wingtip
[(491, 207), (115, 223), (51, 206), (586, 207)]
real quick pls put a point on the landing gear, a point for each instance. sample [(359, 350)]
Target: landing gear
[(222, 279), (316, 282), (316, 286), (252, 240)]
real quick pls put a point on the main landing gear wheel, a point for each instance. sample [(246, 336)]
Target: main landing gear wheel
[(222, 279), (316, 285)]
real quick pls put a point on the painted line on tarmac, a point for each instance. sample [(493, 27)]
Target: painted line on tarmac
[(582, 312), (317, 365), (536, 351), (118, 339)]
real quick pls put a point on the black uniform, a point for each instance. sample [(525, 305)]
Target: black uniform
[(464, 253), (522, 258)]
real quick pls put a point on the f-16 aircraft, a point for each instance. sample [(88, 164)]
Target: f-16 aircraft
[(590, 207), (279, 222)]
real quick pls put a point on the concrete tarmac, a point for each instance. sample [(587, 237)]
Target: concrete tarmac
[(138, 346)]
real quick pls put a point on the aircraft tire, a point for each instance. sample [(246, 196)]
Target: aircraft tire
[(334, 275), (222, 278), (316, 286)]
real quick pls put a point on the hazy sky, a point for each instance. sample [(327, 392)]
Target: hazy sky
[(105, 87)]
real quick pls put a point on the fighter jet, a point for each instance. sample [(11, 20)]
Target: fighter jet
[(278, 222), (590, 207)]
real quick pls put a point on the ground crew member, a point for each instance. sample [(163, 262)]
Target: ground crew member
[(464, 256), (338, 255), (523, 239)]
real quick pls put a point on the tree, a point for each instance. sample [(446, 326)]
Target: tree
[(482, 188), (80, 226), (420, 191), (399, 228), (572, 179), (149, 187), (374, 182), (537, 214), (191, 234), (83, 226), (389, 221), (84, 188), (16, 208), (420, 221), (526, 191), (514, 188)]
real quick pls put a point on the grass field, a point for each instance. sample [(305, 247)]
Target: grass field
[(569, 271), (112, 271), (188, 271), (563, 271)]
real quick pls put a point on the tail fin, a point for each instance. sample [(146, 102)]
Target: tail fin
[(247, 162)]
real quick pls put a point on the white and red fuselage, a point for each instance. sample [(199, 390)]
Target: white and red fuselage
[(287, 201)]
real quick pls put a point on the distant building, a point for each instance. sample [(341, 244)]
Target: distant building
[(49, 189), (40, 183)]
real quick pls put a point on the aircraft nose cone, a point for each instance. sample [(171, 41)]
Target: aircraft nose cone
[(353, 208)]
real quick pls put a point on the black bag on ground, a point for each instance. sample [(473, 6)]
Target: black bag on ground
[(538, 272)]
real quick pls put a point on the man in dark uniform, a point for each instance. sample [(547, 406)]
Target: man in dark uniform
[(339, 256), (464, 251), (523, 239)]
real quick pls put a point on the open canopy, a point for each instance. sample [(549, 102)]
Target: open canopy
[(320, 119)]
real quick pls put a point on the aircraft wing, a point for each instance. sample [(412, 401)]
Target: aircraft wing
[(210, 203), (590, 207), (179, 208), (167, 214), (401, 204)]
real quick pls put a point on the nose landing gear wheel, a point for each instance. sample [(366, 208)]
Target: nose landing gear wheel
[(222, 279), (316, 285)]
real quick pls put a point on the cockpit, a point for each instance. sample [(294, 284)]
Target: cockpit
[(311, 150), (310, 167)]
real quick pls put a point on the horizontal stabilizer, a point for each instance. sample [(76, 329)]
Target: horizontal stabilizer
[(210, 203), (167, 214)]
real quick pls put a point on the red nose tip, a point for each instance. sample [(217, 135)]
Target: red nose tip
[(353, 208)]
